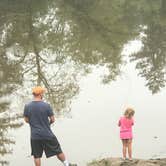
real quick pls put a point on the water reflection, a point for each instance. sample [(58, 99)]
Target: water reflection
[(151, 60), (55, 42), (10, 79), (37, 44), (7, 123)]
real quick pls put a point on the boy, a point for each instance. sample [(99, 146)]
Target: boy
[(39, 115)]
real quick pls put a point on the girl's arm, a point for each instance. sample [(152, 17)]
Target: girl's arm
[(119, 123)]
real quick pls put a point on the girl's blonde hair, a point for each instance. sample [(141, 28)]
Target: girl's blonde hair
[(129, 113)]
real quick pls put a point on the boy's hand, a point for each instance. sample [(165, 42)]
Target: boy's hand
[(26, 119)]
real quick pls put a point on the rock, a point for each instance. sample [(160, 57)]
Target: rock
[(134, 162)]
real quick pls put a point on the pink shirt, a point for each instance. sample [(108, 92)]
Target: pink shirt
[(125, 125)]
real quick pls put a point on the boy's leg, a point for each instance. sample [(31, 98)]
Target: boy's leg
[(130, 148), (62, 158), (37, 151), (52, 148), (37, 161), (124, 142)]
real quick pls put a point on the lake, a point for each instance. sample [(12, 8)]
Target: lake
[(95, 58)]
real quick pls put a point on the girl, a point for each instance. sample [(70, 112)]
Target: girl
[(125, 123)]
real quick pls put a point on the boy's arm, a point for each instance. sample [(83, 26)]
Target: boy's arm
[(26, 119), (52, 119), (51, 115)]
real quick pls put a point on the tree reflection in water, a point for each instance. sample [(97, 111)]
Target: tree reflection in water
[(10, 79), (151, 59), (53, 43)]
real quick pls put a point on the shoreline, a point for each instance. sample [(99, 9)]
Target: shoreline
[(135, 162)]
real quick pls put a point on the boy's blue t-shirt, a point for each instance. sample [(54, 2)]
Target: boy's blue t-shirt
[(38, 113)]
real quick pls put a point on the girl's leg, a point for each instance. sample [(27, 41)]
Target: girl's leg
[(37, 161), (130, 148), (124, 142)]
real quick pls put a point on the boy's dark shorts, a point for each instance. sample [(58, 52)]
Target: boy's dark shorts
[(51, 147)]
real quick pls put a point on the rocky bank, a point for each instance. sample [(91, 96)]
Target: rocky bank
[(134, 162)]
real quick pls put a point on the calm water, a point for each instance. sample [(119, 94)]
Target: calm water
[(95, 58)]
